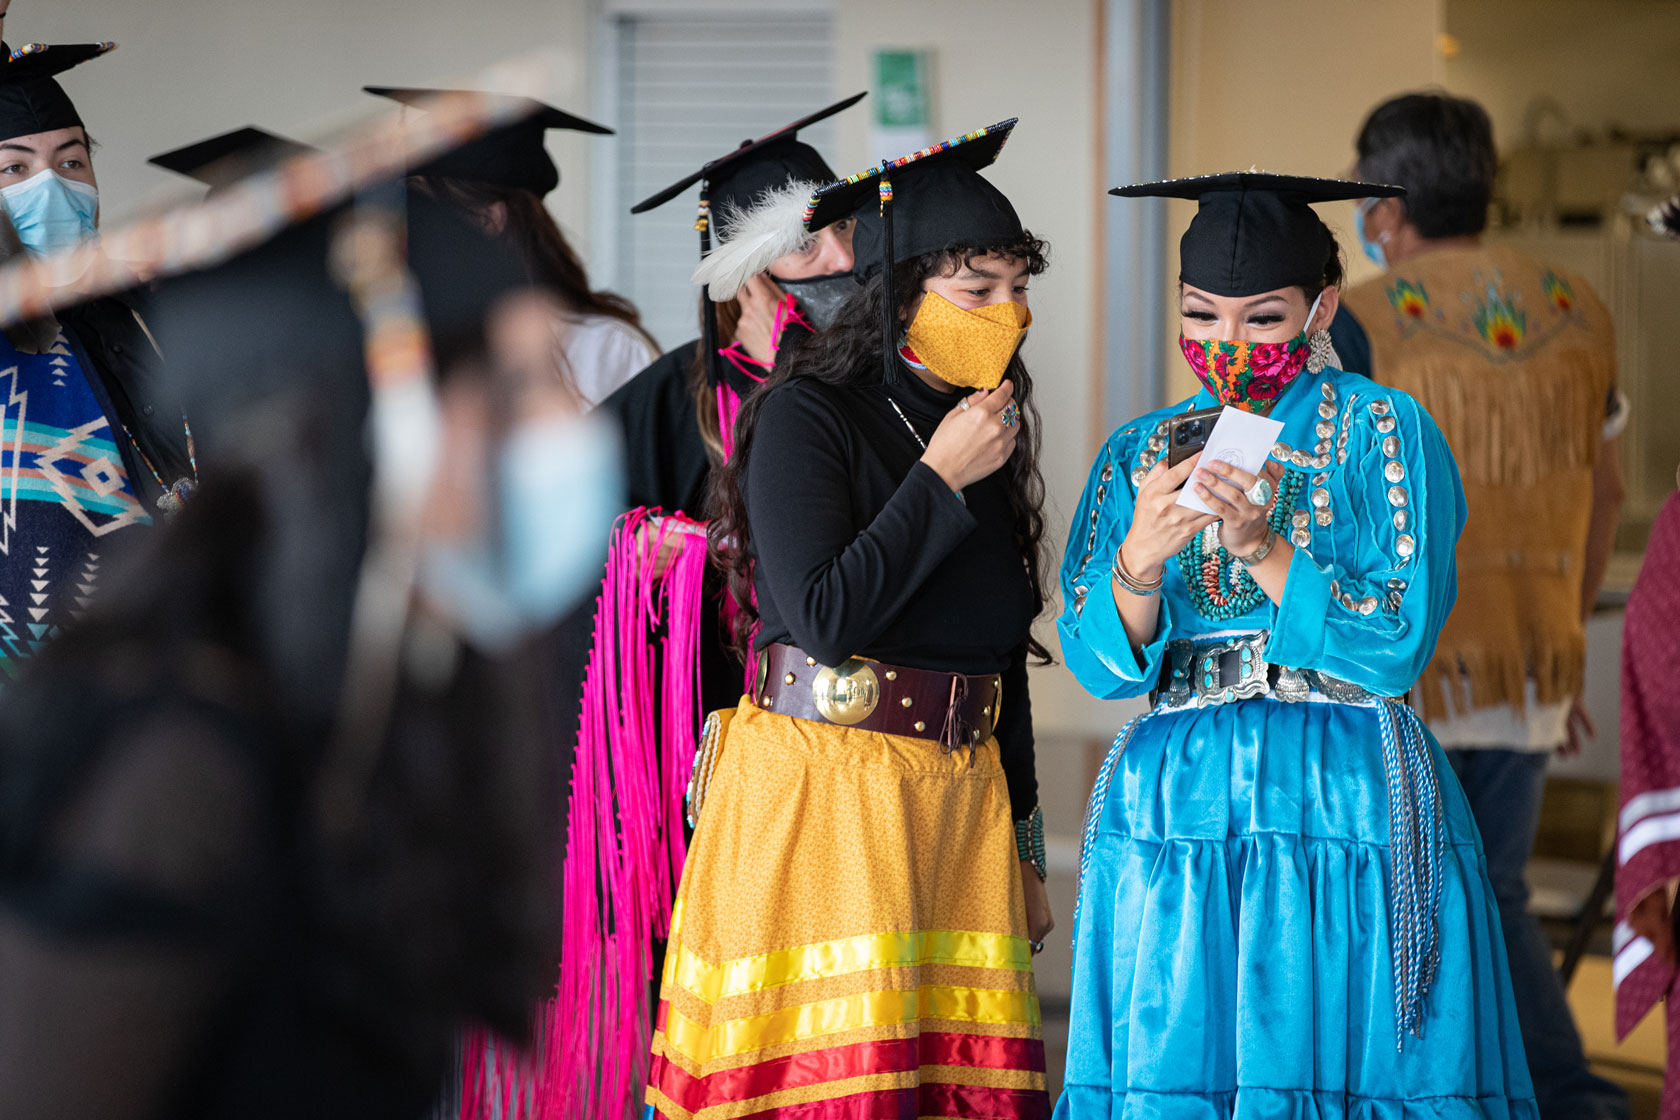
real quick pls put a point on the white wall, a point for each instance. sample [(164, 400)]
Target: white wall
[(1284, 86), (1603, 61), (187, 69)]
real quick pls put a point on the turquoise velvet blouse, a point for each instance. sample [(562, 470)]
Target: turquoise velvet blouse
[(1374, 529)]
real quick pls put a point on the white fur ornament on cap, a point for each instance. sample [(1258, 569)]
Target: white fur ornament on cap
[(771, 228)]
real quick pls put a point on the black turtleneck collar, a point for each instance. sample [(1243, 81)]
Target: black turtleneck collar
[(920, 399)]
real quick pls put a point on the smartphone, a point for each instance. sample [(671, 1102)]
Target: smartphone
[(1188, 433)]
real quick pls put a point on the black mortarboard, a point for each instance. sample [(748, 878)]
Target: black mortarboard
[(30, 100), (1255, 231), (731, 183), (227, 158), (935, 197), (924, 202), (274, 317), (514, 156), (183, 238)]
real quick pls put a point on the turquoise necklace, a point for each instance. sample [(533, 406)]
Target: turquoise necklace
[(1219, 583)]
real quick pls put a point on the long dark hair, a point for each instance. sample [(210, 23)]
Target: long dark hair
[(549, 258), (849, 354), (700, 386), (1334, 270)]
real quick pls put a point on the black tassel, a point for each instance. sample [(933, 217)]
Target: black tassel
[(708, 316), (889, 314)]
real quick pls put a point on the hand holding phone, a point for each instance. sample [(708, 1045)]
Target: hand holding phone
[(1239, 438), (1188, 433)]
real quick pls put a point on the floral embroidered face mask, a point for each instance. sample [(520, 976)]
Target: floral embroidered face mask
[(1248, 375)]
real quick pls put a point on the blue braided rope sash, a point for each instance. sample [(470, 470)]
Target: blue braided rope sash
[(1093, 814), (1414, 827)]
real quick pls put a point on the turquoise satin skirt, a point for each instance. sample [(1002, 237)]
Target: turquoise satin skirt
[(1232, 952)]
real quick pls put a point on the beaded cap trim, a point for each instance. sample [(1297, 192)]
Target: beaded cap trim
[(883, 167), (28, 49)]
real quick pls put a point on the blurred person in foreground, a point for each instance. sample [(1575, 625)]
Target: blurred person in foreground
[(501, 181), (101, 446), (1516, 361), (251, 863), (1648, 832)]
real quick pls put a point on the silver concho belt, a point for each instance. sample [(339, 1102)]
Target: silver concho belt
[(1235, 668)]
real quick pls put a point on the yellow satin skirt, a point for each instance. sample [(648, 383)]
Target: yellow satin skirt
[(850, 936)]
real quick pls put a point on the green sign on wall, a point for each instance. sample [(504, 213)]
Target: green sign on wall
[(903, 110), (901, 89)]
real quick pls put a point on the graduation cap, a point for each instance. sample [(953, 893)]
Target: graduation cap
[(184, 238), (1255, 231), (513, 156), (275, 319), (229, 157), (929, 200), (732, 183), (30, 100)]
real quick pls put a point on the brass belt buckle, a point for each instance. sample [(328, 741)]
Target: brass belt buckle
[(846, 694)]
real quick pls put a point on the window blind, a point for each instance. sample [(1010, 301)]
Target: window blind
[(691, 89)]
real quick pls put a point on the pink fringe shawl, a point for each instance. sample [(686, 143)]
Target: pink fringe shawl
[(624, 842)]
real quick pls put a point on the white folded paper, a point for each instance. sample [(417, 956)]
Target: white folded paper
[(1240, 438)]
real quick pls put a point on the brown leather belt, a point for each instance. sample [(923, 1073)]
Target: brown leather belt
[(956, 709)]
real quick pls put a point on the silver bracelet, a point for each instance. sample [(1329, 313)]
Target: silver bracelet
[(1259, 554), (1130, 582)]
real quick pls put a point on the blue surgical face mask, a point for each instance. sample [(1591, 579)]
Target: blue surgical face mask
[(559, 484), (1373, 249), (51, 213)]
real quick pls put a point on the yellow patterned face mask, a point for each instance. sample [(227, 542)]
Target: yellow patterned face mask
[(967, 348)]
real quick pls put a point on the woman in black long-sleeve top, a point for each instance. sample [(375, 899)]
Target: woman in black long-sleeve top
[(857, 917)]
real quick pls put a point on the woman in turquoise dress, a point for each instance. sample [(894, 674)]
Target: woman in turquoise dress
[(1283, 909)]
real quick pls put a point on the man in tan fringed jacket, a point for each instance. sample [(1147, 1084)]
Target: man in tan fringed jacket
[(1515, 360)]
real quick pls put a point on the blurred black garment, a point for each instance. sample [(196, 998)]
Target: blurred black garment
[(179, 934), (109, 336), (154, 801), (667, 464)]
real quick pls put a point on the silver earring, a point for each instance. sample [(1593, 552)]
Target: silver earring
[(1319, 352)]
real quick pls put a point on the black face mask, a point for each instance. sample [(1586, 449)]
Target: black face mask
[(820, 297)]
